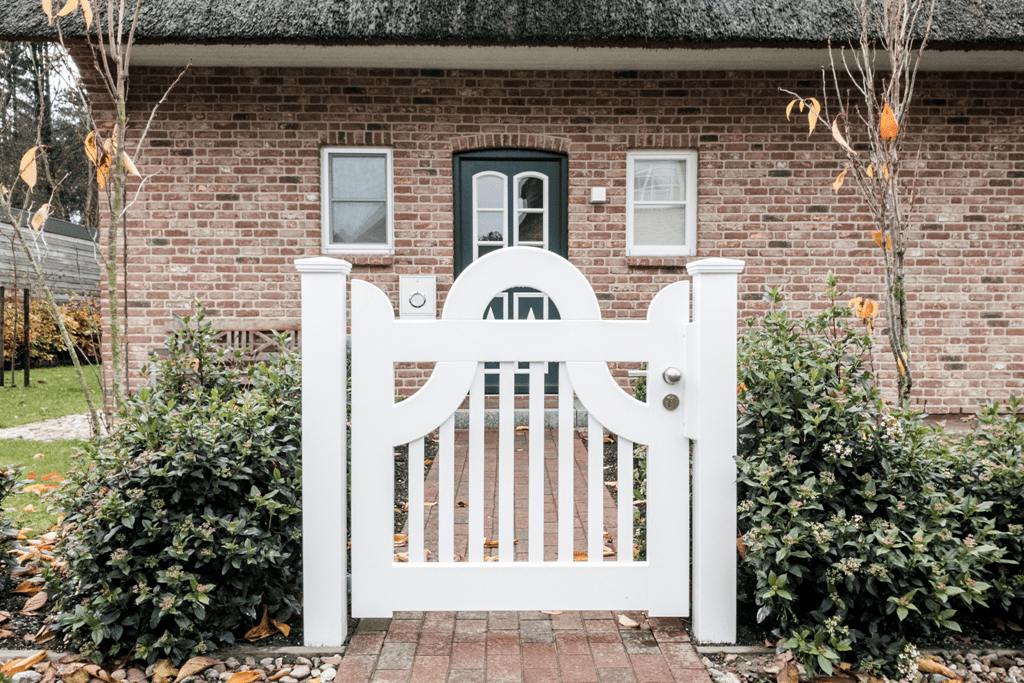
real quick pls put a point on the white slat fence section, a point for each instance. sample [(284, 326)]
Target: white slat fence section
[(582, 344)]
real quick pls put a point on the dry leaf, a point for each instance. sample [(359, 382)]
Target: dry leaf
[(164, 671), (888, 242), (5, 634), (839, 181), (68, 8), (579, 556), (260, 630), (90, 147), (1013, 626), (789, 107), (552, 611), (35, 602), (741, 547), (627, 622), (608, 552), (461, 504), (129, 165), (929, 666), (194, 666), (401, 557), (839, 137), (38, 456), (491, 558), (812, 115), (887, 125), (878, 237), (16, 666), (95, 671), (48, 11), (87, 13), (282, 627), (244, 677), (40, 216), (885, 171), (28, 587), (76, 673), (103, 171), (490, 544), (429, 505), (28, 166), (428, 463), (29, 508), (788, 673), (522, 428), (401, 539), (870, 170)]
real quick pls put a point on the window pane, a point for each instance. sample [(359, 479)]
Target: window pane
[(487, 250), (659, 180), (356, 176), (490, 192), (359, 223), (490, 226), (531, 193), (659, 225), (531, 227)]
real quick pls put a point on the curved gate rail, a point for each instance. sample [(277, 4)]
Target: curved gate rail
[(582, 344)]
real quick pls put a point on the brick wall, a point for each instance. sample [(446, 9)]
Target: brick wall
[(233, 196)]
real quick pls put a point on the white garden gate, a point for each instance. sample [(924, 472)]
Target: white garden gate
[(691, 396)]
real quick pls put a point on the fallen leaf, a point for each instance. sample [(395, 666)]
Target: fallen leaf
[(627, 622), (38, 456), (741, 547), (5, 634), (194, 666), (461, 504), (522, 428), (29, 508), (244, 677), (260, 630), (28, 587), (53, 476), (429, 505), (929, 665), (282, 627), (788, 673), (93, 670), (16, 666), (490, 544), (608, 552), (609, 439), (164, 671), (401, 539), (35, 602), (428, 463), (491, 558), (401, 557), (1013, 626), (553, 611), (579, 556)]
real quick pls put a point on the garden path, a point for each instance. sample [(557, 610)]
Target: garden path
[(59, 428)]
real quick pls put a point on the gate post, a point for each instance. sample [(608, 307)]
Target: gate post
[(713, 406), (324, 491)]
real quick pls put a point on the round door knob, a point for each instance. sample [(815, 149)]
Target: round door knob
[(672, 375)]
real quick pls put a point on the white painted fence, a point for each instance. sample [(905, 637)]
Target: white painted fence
[(460, 343)]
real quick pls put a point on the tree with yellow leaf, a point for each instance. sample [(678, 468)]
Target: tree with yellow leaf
[(874, 110)]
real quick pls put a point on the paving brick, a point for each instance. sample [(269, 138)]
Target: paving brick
[(406, 615), (533, 616), (598, 625), (429, 670), (604, 637), (639, 642), (439, 621), (536, 632), (691, 675), (572, 643), (540, 676), (466, 676), (504, 669), (468, 655), (355, 668), (539, 656), (502, 621), (681, 656), (577, 668), (502, 643), (438, 643), (567, 621), (371, 625), (396, 656), (596, 614), (470, 625), (651, 669), (615, 676), (471, 615), (609, 655), (391, 676), (365, 644)]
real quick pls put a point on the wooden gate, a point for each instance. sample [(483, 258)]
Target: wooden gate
[(691, 396)]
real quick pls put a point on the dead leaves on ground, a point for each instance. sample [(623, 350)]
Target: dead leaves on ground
[(930, 664), (266, 628)]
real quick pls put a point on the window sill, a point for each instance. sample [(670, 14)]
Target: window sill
[(658, 261), (357, 259)]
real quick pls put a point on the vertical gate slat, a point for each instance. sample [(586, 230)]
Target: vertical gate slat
[(506, 462), (536, 524), (595, 482), (446, 492), (624, 500), (476, 467), (566, 465), (415, 477)]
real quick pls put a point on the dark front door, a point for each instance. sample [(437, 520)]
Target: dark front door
[(507, 198)]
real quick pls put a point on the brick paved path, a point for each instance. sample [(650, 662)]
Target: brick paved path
[(520, 647)]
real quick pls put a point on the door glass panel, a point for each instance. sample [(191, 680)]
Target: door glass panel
[(362, 222), (659, 180), (531, 193), (490, 226), (659, 225), (483, 250), (531, 227), (356, 177), (490, 192)]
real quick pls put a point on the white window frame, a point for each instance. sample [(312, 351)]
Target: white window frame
[(689, 247), (516, 180), (325, 202), (477, 242)]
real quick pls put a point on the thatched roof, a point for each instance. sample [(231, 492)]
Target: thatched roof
[(961, 23)]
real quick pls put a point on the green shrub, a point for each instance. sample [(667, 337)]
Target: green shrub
[(858, 531), (10, 479), (190, 520)]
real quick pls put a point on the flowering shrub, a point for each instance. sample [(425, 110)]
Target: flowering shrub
[(189, 522), (858, 530)]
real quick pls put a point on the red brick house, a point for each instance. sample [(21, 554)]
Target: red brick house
[(629, 136)]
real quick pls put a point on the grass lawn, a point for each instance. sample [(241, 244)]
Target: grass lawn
[(54, 392), (56, 458)]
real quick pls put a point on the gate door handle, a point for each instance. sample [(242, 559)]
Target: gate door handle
[(672, 375)]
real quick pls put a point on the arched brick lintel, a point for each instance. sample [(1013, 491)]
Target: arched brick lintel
[(510, 140)]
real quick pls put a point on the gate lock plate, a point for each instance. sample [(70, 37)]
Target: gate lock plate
[(671, 402)]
